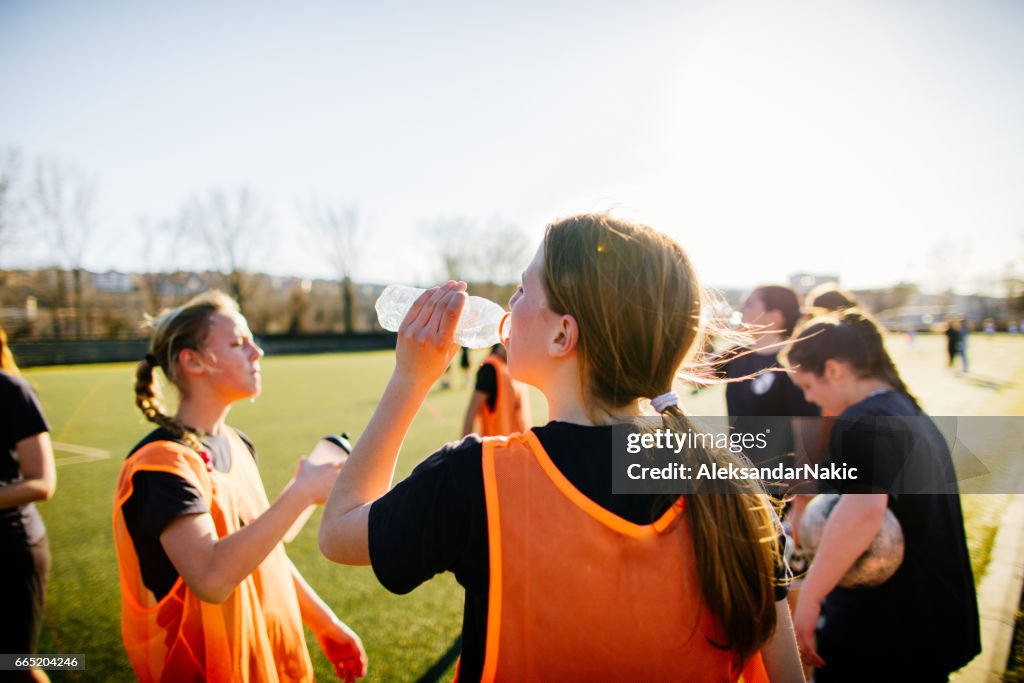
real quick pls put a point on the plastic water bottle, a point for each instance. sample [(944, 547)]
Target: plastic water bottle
[(478, 328)]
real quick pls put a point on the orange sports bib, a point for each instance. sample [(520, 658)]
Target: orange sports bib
[(577, 593), (253, 636), (507, 416)]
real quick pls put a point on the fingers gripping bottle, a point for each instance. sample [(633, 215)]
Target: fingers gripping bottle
[(332, 449), (479, 327)]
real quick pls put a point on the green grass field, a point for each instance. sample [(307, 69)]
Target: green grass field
[(304, 398)]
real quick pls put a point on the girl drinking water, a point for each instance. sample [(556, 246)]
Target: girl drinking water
[(564, 579)]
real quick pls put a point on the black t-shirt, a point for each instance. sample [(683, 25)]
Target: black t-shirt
[(925, 617), (160, 497), (436, 520), (771, 394), (21, 416), (487, 382)]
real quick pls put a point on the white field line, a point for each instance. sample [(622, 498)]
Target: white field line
[(82, 453)]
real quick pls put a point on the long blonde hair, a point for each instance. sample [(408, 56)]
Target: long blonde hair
[(637, 302), (7, 363), (174, 330)]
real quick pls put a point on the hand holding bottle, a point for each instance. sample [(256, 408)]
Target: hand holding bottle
[(426, 337), (478, 328)]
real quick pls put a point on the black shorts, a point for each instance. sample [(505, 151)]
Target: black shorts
[(23, 573)]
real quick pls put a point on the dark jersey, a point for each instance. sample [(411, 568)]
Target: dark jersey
[(21, 416), (771, 394), (924, 618), (436, 520), (487, 383), (158, 498)]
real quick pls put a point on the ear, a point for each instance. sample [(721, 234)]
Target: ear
[(835, 370), (191, 362), (567, 335)]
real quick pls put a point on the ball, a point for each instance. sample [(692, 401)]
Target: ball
[(876, 565)]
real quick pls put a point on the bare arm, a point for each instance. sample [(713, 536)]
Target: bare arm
[(849, 531), (476, 404), (213, 567), (339, 643), (425, 347), (35, 460), (781, 658)]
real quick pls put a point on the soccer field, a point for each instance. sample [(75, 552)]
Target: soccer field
[(304, 397)]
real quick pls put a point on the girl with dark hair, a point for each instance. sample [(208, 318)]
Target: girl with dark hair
[(564, 579), (759, 386), (922, 623), (207, 591), (27, 475)]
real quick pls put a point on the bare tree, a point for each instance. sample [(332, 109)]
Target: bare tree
[(160, 246), (232, 228), (339, 238), (493, 253), (11, 204), (62, 201)]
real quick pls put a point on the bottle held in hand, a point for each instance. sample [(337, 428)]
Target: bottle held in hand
[(478, 328), (333, 449)]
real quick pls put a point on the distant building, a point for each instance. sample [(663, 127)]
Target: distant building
[(801, 283), (112, 281)]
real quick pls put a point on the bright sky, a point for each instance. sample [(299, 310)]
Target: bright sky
[(878, 140)]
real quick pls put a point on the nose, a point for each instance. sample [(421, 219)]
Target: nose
[(255, 350)]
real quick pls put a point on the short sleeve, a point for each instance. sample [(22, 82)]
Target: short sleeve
[(21, 415), (873, 450), (157, 499), (427, 523)]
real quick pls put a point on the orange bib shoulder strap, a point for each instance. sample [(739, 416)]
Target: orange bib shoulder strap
[(165, 456)]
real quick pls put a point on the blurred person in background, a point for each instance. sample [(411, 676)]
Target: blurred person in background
[(922, 622), (827, 297), (956, 341), (499, 406), (27, 475), (760, 386)]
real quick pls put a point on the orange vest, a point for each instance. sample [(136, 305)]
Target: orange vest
[(507, 416), (578, 593), (253, 636)]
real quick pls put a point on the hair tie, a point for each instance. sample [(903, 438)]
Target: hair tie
[(664, 401), (151, 359)]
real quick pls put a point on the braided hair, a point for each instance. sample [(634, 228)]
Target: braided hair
[(174, 330)]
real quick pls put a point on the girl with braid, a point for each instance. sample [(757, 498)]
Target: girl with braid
[(922, 623), (565, 580), (207, 591)]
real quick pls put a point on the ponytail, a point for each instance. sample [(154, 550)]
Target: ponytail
[(851, 336), (735, 543), (147, 402)]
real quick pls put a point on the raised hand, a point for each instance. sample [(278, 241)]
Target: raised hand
[(426, 337)]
